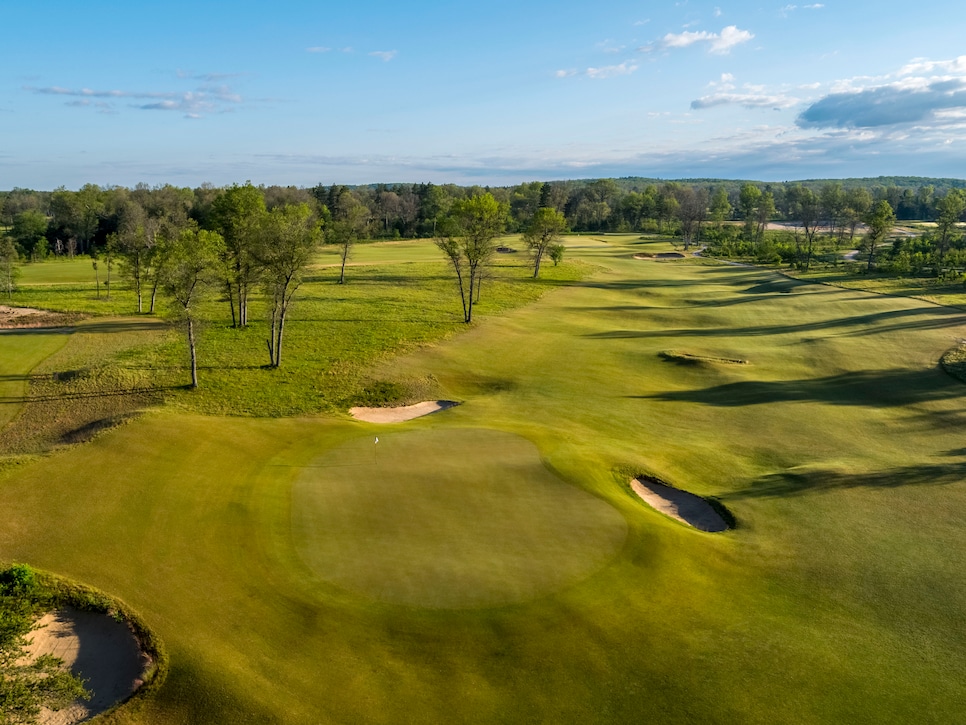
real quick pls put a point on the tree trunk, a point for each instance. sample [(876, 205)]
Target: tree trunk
[(278, 341), (345, 257), (194, 357), (231, 303), (154, 296), (536, 264)]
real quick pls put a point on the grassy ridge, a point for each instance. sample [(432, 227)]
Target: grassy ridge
[(838, 597)]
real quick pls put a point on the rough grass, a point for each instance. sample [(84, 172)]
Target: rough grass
[(839, 598)]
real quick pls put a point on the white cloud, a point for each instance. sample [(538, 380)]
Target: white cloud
[(566, 73), (718, 43), (717, 12), (385, 55), (746, 100), (318, 49), (609, 71)]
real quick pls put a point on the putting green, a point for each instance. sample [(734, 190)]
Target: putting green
[(455, 519)]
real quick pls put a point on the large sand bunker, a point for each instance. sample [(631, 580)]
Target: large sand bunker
[(660, 255), (100, 650), (401, 413), (681, 505)]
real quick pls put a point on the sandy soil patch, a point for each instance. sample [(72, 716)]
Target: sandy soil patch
[(401, 413), (99, 649), (681, 505)]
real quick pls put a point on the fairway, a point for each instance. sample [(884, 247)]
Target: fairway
[(407, 521), (492, 564)]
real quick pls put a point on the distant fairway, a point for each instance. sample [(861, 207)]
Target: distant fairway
[(448, 518)]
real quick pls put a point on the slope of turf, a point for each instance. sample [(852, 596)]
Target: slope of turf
[(21, 350), (839, 597), (404, 520)]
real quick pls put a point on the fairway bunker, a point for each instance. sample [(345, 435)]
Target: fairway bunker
[(688, 508), (659, 256), (690, 358), (448, 519), (100, 650), (401, 413)]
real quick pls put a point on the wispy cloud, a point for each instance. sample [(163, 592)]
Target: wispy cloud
[(609, 46), (726, 93), (607, 71), (385, 55), (718, 43), (204, 100), (318, 49)]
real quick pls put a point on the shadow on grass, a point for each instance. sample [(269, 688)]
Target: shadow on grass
[(877, 388), (783, 485), (874, 323), (20, 399)]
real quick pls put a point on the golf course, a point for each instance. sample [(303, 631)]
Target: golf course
[(491, 562)]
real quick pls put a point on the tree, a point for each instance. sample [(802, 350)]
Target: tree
[(720, 206), (748, 199), (292, 236), (136, 238), (29, 230), (691, 212), (766, 210), (466, 237), (191, 268), (807, 208), (238, 214), (349, 220), (9, 270), (544, 232), (858, 201), (880, 221), (951, 208)]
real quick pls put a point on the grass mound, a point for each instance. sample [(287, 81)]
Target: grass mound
[(688, 358), (448, 519)]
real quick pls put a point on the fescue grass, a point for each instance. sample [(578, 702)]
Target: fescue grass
[(839, 597)]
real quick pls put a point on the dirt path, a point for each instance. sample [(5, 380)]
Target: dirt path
[(96, 647), (401, 413), (681, 505)]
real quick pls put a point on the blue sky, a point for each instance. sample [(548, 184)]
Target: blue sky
[(309, 92)]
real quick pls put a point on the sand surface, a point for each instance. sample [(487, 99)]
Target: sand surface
[(101, 650), (681, 505), (659, 256), (401, 413), (30, 317)]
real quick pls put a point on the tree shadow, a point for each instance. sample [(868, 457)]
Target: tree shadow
[(869, 324), (784, 485), (873, 388)]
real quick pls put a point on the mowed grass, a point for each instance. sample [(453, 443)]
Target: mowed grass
[(838, 598), (397, 517)]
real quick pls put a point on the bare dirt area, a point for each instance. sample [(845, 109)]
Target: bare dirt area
[(681, 505), (15, 317), (100, 650), (401, 413)]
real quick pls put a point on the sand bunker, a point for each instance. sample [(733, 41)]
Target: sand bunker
[(97, 648), (401, 413), (13, 317), (681, 505), (660, 255), (11, 312)]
